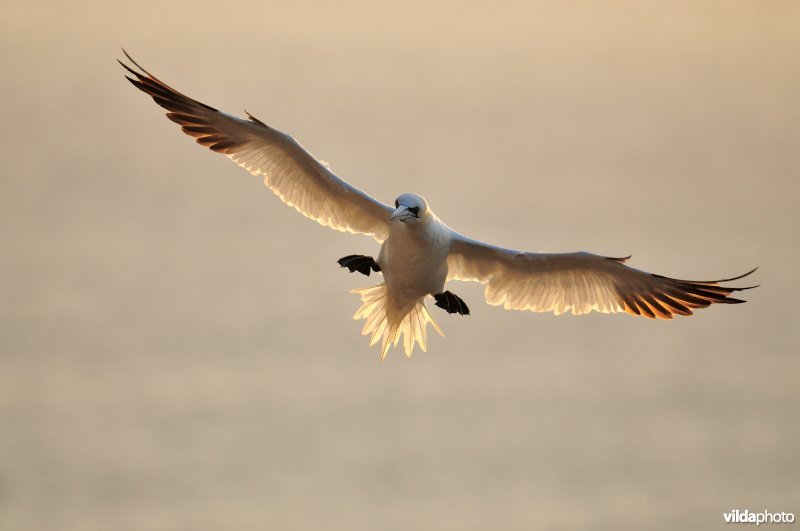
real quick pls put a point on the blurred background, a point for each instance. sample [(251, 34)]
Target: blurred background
[(176, 346)]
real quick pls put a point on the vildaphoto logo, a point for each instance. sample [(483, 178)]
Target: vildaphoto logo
[(737, 516)]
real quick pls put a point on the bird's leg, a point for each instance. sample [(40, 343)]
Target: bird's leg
[(451, 303), (357, 262)]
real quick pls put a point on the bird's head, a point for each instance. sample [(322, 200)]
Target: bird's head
[(411, 208)]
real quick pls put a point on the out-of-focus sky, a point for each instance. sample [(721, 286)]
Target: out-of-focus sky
[(176, 346)]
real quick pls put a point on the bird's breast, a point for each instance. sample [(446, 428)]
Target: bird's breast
[(414, 261)]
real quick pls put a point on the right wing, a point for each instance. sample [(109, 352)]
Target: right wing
[(578, 282), (290, 171)]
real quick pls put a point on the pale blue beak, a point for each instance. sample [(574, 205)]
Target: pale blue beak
[(402, 213)]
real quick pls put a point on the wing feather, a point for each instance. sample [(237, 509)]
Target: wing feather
[(293, 174), (579, 283)]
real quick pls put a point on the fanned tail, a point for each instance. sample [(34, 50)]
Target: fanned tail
[(385, 321)]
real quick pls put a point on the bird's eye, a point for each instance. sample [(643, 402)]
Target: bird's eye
[(414, 211), (397, 204)]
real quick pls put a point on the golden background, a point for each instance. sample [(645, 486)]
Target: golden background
[(177, 349)]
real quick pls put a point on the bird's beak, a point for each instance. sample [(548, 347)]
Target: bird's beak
[(401, 214)]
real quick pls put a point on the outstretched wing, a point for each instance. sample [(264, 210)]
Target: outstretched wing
[(295, 176), (578, 283)]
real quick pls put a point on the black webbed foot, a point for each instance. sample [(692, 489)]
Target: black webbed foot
[(451, 303), (357, 262)]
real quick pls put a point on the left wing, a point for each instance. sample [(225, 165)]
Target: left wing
[(290, 171), (578, 282)]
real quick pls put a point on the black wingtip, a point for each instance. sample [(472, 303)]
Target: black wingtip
[(129, 69), (746, 287), (710, 283), (137, 65), (736, 278), (166, 96), (731, 300), (140, 67)]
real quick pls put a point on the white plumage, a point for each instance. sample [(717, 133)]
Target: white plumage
[(419, 253)]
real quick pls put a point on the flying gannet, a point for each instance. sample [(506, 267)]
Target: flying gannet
[(418, 252)]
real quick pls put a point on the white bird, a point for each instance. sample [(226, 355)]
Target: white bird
[(418, 252)]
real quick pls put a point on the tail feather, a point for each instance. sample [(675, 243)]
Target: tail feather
[(371, 321), (388, 323), (422, 331), (378, 333), (429, 319)]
